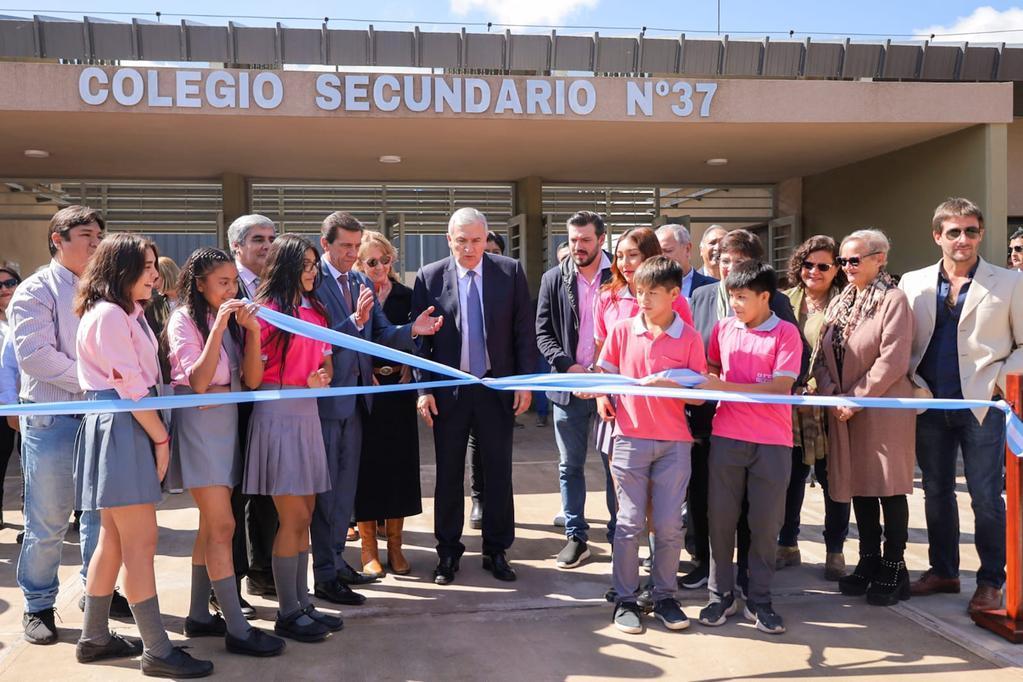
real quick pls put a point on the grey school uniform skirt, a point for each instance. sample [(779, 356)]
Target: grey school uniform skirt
[(114, 461), (204, 445), (285, 453)]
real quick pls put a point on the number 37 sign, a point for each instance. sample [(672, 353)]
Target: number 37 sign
[(685, 98)]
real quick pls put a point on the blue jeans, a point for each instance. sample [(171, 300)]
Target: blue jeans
[(47, 458), (939, 436), (573, 427)]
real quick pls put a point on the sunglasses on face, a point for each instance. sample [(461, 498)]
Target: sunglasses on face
[(373, 262), (9, 284), (822, 267), (956, 232), (1012, 249), (854, 261)]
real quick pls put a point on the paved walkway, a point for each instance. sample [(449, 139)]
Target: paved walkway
[(551, 624)]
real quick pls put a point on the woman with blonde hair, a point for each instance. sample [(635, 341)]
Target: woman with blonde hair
[(388, 485)]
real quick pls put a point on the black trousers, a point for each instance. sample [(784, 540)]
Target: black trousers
[(836, 514), (475, 470), (699, 530), (8, 437), (895, 530), (489, 414)]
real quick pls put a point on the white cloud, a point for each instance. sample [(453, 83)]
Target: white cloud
[(553, 12), (973, 26)]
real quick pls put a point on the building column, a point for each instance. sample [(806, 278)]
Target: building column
[(528, 245), (995, 202), (235, 193)]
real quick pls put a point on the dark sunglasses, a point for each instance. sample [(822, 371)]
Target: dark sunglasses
[(373, 262), (854, 261), (9, 284), (956, 232), (823, 267), (1012, 249)]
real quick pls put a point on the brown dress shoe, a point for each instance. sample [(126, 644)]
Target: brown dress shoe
[(986, 598), (932, 583)]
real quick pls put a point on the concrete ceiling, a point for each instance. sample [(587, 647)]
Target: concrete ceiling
[(118, 145)]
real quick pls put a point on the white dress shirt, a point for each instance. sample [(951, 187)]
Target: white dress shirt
[(248, 278), (463, 306)]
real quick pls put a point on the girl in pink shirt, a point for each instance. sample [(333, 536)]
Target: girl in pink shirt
[(286, 457), (213, 343), (121, 457)]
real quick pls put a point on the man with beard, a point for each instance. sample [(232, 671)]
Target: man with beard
[(564, 334)]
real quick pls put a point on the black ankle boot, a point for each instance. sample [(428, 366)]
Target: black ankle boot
[(856, 583), (890, 584)]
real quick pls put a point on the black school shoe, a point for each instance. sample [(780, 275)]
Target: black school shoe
[(178, 664), (333, 623), (117, 646), (257, 643), (215, 627), (290, 627)]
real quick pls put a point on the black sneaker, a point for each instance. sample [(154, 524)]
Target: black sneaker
[(718, 609), (764, 616), (627, 617), (116, 647), (39, 627), (611, 595), (177, 664), (119, 608), (575, 552), (645, 599), (696, 578), (669, 612)]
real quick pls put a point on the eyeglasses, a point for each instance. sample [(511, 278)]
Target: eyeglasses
[(956, 232), (1012, 249), (373, 262), (823, 267), (854, 261), (309, 266), (9, 284)]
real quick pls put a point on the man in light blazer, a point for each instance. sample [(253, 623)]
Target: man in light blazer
[(352, 308), (969, 329), (492, 335)]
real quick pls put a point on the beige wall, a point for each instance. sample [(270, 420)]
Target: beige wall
[(897, 192), (1015, 153), (23, 227)]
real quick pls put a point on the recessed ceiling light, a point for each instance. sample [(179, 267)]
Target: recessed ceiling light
[(717, 162), (37, 153), (390, 158)]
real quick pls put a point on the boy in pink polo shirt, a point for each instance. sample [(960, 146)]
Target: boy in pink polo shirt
[(750, 445), (650, 459)]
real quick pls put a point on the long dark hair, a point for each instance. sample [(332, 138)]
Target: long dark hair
[(119, 262), (820, 242), (282, 284), (200, 264)]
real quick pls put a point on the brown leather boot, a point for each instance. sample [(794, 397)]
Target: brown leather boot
[(370, 553), (395, 559)]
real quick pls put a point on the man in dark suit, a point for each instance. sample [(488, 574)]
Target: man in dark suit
[(677, 244), (565, 336), (250, 237), (492, 335), (352, 308)]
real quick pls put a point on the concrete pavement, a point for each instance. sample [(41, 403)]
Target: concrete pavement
[(550, 624)]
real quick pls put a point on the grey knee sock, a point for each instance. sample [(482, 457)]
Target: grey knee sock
[(199, 606), (285, 570), (95, 629), (150, 624), (230, 607), (303, 578)]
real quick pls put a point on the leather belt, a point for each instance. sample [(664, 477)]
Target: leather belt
[(387, 370)]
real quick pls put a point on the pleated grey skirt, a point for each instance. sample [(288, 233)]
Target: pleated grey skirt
[(285, 453), (114, 461), (204, 446)]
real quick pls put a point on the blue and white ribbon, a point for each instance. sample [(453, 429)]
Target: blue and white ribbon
[(582, 383)]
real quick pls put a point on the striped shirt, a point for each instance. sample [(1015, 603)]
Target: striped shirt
[(44, 326)]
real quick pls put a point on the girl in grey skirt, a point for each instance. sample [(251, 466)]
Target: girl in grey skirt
[(286, 457), (121, 457), (213, 346)]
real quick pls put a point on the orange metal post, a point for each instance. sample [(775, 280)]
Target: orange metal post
[(1008, 622)]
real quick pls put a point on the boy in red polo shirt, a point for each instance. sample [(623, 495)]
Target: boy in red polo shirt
[(750, 445), (650, 459)]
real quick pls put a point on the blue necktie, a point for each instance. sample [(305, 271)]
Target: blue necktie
[(474, 318)]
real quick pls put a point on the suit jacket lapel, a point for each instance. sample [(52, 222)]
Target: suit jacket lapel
[(979, 288), (929, 294), (449, 295), (490, 283)]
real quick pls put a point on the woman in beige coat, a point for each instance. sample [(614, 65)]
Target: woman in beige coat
[(864, 352)]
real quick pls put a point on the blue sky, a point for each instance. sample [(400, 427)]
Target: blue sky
[(824, 17)]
